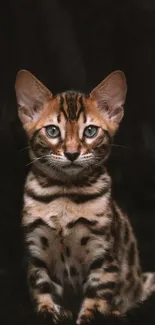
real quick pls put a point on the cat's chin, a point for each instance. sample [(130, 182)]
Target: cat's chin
[(72, 170), (68, 172), (61, 172), (73, 166)]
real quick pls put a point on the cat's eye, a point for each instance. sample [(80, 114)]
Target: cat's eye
[(90, 131), (52, 131)]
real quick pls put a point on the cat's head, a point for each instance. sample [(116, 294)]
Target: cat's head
[(70, 131)]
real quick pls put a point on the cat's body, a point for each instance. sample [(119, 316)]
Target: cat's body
[(82, 253)]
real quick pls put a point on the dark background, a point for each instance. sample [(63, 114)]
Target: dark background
[(75, 44)]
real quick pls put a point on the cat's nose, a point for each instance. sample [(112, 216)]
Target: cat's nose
[(71, 155)]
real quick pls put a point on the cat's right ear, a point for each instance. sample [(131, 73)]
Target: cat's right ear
[(110, 97), (31, 96)]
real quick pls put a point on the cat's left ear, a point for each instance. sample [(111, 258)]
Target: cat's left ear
[(110, 96)]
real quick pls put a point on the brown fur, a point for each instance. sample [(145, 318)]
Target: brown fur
[(81, 248)]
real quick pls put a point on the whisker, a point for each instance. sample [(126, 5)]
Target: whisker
[(35, 159), (24, 148), (120, 146)]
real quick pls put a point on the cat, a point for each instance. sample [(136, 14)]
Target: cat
[(81, 251)]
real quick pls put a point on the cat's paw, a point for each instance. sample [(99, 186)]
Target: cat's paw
[(47, 308), (116, 313), (91, 307)]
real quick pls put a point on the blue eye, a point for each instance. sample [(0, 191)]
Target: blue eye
[(52, 131), (90, 131)]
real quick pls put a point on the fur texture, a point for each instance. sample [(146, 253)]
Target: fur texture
[(81, 251)]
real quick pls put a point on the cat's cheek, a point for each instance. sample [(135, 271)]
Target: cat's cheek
[(94, 142), (85, 151), (89, 141)]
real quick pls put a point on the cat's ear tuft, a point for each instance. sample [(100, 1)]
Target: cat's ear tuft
[(110, 96), (31, 95)]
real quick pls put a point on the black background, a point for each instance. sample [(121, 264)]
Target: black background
[(74, 45)]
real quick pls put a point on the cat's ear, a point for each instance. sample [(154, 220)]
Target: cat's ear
[(110, 96), (31, 95)]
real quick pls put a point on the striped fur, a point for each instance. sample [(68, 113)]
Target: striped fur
[(81, 251)]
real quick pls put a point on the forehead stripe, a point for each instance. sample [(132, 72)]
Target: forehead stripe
[(71, 101), (62, 107), (81, 110)]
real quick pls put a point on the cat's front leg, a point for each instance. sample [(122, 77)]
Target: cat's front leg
[(44, 292), (100, 289)]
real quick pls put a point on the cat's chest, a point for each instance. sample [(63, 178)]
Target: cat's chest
[(72, 250), (60, 213), (70, 224), (74, 240), (71, 240)]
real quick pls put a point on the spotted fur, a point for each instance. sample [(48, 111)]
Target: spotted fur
[(82, 254)]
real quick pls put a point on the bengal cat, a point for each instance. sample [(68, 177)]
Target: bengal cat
[(81, 251)]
